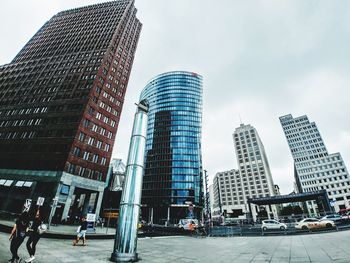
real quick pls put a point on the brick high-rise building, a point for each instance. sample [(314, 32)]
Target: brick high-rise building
[(60, 102)]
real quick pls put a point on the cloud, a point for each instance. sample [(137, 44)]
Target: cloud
[(260, 59)]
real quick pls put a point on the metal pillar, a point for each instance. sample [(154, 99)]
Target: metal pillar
[(207, 198), (125, 244), (168, 216), (151, 220)]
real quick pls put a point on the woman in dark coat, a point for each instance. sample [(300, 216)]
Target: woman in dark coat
[(17, 236)]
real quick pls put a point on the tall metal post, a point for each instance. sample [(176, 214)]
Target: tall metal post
[(125, 243), (207, 198)]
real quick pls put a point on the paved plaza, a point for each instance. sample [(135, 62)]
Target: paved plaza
[(321, 247)]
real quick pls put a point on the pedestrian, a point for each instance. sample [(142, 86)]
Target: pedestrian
[(81, 232), (34, 235), (17, 236)]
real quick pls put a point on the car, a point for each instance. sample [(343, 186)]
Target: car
[(345, 217), (273, 224), (186, 224), (314, 223), (333, 217)]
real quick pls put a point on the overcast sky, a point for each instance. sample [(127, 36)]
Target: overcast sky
[(259, 60)]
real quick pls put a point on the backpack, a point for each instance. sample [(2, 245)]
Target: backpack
[(42, 229)]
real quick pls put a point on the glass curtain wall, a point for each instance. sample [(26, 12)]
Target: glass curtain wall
[(172, 183)]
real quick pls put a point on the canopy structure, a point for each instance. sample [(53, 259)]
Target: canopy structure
[(321, 198)]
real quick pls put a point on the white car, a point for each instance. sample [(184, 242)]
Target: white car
[(333, 217), (273, 224), (314, 223)]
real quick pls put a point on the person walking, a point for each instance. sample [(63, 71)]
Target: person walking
[(81, 232), (17, 236), (34, 236)]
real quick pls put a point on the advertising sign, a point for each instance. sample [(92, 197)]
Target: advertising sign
[(90, 219)]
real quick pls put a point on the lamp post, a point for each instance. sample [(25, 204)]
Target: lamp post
[(125, 243)]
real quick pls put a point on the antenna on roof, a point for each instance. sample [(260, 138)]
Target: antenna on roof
[(240, 119)]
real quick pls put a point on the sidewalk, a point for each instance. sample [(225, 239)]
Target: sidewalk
[(64, 231), (318, 248)]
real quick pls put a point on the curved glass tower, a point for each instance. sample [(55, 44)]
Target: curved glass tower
[(172, 183)]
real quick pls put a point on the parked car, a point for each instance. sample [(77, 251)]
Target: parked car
[(185, 223), (333, 217), (345, 216), (314, 223), (273, 224)]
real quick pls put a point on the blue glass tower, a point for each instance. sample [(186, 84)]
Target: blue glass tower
[(172, 183)]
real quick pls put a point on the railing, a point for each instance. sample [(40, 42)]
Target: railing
[(257, 230)]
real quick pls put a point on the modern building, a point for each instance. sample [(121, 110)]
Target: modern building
[(113, 191), (254, 170), (173, 178), (314, 168), (116, 175), (60, 102), (228, 198)]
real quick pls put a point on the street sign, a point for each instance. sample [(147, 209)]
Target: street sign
[(40, 201), (27, 205), (110, 214)]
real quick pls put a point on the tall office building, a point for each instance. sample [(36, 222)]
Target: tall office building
[(172, 183), (314, 168), (254, 170), (60, 102)]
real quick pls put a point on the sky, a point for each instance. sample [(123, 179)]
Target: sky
[(260, 59)]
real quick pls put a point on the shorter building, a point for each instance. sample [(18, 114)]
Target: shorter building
[(114, 188), (227, 195)]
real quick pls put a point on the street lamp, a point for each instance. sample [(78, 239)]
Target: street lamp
[(125, 243)]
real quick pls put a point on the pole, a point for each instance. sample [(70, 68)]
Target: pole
[(125, 244)]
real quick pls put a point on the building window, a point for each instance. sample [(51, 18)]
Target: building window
[(76, 151), (95, 158)]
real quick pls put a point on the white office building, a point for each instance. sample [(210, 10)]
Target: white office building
[(253, 167), (252, 179), (314, 168)]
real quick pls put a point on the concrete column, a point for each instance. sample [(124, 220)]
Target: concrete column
[(86, 204), (98, 204), (267, 208), (68, 203)]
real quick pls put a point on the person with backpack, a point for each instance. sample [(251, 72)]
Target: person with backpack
[(18, 235), (35, 231)]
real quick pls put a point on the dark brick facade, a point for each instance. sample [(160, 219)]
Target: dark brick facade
[(61, 97)]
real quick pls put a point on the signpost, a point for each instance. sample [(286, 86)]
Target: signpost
[(40, 201)]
